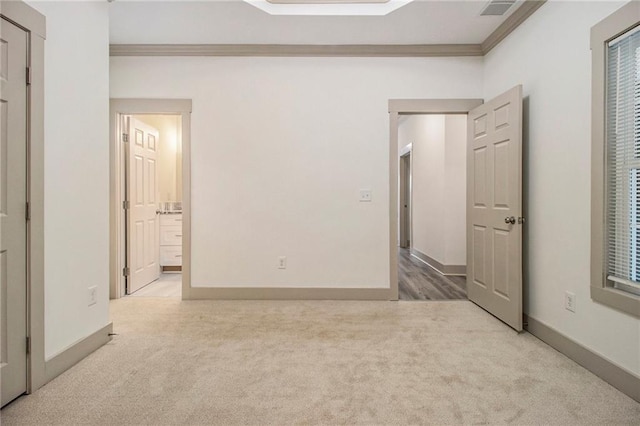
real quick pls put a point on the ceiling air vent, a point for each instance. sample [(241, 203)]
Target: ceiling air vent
[(497, 7)]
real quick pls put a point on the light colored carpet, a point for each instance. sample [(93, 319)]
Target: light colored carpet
[(320, 362)]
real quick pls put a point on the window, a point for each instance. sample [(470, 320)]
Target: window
[(615, 210), (622, 139)]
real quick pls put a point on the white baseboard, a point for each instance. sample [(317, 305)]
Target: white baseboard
[(443, 269), (618, 377), (76, 352), (287, 293)]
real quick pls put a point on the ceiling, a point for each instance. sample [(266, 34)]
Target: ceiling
[(236, 22)]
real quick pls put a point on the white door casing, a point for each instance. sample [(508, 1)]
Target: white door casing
[(13, 222), (143, 229), (494, 207)]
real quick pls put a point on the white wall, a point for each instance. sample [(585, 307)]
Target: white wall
[(425, 133), (76, 170), (169, 144), (438, 184), (455, 200), (281, 148), (550, 55)]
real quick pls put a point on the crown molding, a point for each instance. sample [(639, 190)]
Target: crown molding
[(310, 50), (342, 50), (511, 23)]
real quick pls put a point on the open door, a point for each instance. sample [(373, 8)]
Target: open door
[(143, 228), (494, 207), (13, 214)]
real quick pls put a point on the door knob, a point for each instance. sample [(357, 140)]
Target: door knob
[(510, 219)]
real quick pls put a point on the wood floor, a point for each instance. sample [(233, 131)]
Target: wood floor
[(417, 281)]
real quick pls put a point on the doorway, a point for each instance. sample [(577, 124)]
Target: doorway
[(150, 201), (494, 197), (398, 110), (432, 207)]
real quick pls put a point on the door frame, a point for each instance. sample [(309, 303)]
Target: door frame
[(34, 23), (398, 107), (117, 191)]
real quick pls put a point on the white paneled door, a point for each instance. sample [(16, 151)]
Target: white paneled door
[(494, 207), (143, 228), (13, 209)]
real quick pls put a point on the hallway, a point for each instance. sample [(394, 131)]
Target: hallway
[(418, 281)]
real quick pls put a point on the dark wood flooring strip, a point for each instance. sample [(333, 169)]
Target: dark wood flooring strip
[(417, 281)]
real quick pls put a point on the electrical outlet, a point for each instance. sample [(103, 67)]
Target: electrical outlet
[(93, 295), (570, 301), (365, 195), (282, 262)]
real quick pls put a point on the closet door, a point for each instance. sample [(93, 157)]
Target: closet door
[(13, 211)]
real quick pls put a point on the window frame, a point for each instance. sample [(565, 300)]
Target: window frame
[(613, 26)]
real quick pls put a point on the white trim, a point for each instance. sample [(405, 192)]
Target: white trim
[(442, 269), (288, 293), (76, 352), (619, 22), (433, 106), (298, 50), (514, 20), (624, 281), (618, 377), (25, 17), (623, 36)]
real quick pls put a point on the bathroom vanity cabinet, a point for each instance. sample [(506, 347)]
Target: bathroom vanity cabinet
[(171, 241)]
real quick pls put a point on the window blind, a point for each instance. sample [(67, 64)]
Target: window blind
[(623, 162)]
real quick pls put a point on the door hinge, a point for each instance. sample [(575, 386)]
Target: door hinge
[(28, 75), (126, 204), (27, 212), (28, 345), (125, 272), (125, 137), (521, 220)]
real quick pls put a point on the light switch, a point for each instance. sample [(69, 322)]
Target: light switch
[(365, 195)]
